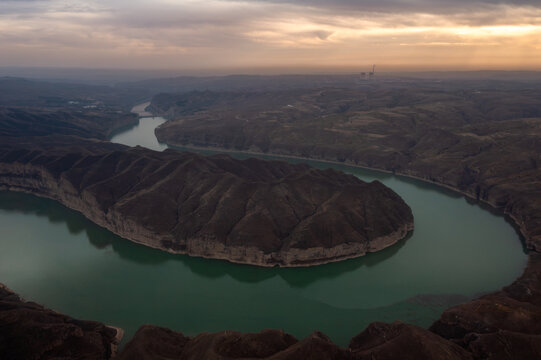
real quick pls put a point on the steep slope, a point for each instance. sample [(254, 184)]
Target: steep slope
[(99, 124), (257, 212), (30, 331), (484, 143)]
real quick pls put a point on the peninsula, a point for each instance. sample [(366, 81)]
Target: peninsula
[(471, 136), (265, 213)]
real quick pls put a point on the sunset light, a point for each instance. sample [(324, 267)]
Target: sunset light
[(271, 34)]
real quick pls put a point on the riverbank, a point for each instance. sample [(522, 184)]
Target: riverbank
[(483, 325), (139, 109), (520, 225), (500, 323), (31, 331), (250, 212)]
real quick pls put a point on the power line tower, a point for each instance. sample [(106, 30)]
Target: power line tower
[(372, 73)]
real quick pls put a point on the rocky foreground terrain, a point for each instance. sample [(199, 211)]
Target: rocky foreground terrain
[(264, 213), (30, 331), (504, 325)]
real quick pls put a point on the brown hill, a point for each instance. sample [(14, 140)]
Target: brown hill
[(485, 143), (257, 212)]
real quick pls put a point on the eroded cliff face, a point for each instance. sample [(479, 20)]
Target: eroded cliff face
[(501, 329), (378, 341), (29, 331), (502, 325), (252, 211), (485, 144)]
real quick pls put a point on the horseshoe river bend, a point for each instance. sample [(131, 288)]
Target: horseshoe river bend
[(56, 257)]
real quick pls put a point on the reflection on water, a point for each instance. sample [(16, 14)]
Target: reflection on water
[(132, 135), (55, 256), (101, 238)]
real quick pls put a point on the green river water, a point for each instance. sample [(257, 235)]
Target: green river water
[(54, 256)]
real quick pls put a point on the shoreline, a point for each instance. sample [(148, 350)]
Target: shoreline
[(39, 181), (139, 109), (386, 240), (515, 221), (520, 225)]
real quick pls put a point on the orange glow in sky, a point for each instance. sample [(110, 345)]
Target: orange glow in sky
[(340, 34)]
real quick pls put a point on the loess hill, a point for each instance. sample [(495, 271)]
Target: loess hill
[(484, 141), (256, 212), (482, 138)]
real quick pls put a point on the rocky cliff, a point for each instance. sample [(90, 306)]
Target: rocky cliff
[(379, 341), (485, 144), (264, 213), (29, 331)]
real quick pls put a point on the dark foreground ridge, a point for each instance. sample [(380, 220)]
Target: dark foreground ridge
[(503, 325), (30, 331), (264, 213)]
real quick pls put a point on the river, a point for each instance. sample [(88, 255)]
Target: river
[(56, 257)]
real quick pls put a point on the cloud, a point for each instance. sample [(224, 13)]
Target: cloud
[(394, 6), (191, 33)]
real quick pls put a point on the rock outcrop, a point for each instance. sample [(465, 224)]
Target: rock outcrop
[(29, 331), (384, 341), (379, 341), (264, 213), (505, 324)]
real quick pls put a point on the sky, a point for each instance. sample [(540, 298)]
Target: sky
[(301, 35)]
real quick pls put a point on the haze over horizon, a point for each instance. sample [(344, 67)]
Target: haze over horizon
[(342, 35)]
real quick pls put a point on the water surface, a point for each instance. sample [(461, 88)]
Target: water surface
[(141, 134), (56, 257)]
